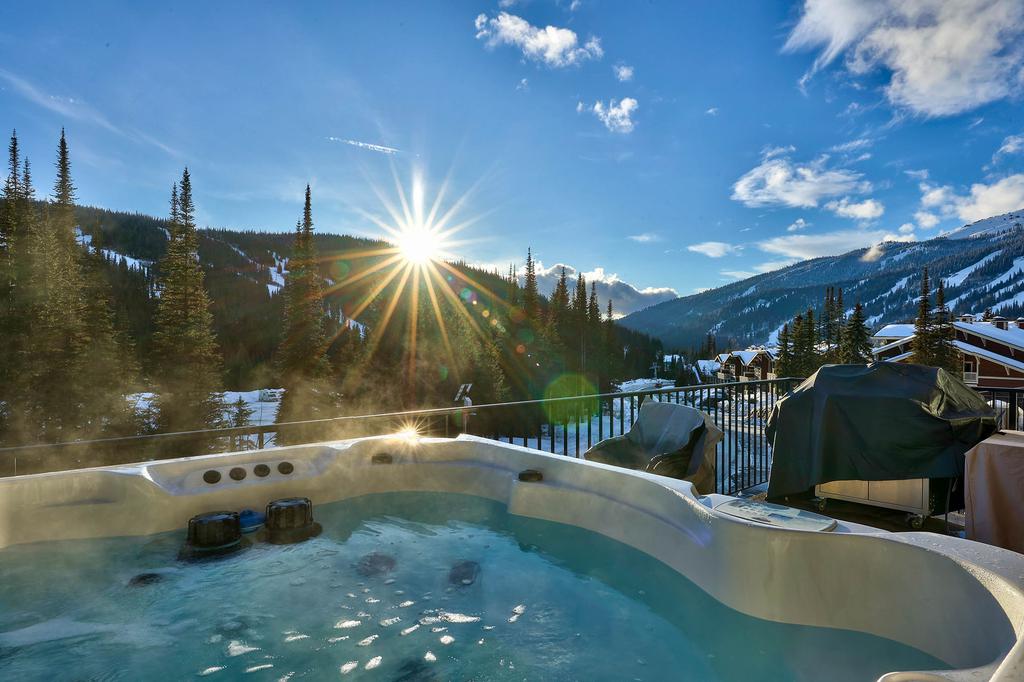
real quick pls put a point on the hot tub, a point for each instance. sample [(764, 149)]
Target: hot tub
[(449, 559)]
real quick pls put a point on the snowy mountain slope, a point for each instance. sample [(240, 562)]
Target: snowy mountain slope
[(982, 266), (989, 226)]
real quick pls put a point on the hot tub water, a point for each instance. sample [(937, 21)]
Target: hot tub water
[(399, 586)]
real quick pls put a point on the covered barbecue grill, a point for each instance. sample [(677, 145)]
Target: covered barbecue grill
[(880, 422)]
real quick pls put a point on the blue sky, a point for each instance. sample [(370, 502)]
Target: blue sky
[(673, 145)]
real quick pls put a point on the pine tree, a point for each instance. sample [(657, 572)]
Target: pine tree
[(531, 297), (559, 308), (784, 356), (855, 340), (944, 353), (10, 321), (923, 345), (241, 413), (56, 353), (302, 356), (812, 358), (187, 374), (512, 287), (799, 354)]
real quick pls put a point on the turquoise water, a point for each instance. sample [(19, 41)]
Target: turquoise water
[(399, 587)]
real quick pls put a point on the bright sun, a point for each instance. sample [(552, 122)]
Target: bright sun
[(418, 245)]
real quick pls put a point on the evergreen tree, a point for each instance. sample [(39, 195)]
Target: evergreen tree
[(799, 353), (559, 308), (531, 297), (811, 359), (302, 359), (855, 340), (56, 352), (241, 413), (944, 353), (923, 344), (187, 372), (512, 287), (11, 322), (784, 355)]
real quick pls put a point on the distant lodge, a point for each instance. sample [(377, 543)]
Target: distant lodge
[(991, 353)]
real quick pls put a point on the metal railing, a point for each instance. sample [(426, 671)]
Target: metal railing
[(1008, 404), (566, 426)]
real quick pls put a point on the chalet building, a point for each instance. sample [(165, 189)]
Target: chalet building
[(753, 364), (992, 351)]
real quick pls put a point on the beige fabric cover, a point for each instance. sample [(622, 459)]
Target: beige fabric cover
[(994, 495)]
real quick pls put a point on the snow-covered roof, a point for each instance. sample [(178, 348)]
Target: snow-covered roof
[(898, 358), (894, 344), (989, 355), (895, 331), (722, 357), (708, 366), (1013, 336), (747, 356)]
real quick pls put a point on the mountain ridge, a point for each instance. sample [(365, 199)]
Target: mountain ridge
[(981, 263)]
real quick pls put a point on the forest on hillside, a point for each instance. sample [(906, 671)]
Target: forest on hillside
[(99, 306)]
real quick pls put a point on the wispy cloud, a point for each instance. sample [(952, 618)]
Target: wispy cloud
[(366, 145), (78, 110), (711, 111), (714, 249), (851, 146), (645, 238)]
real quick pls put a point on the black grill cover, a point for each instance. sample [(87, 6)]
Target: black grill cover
[(879, 422)]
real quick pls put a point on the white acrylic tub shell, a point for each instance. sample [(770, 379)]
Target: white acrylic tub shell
[(960, 601)]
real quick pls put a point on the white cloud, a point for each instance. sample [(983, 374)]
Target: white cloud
[(575, 5), (906, 228), (983, 201), (645, 238), (943, 57), (711, 111), (616, 116), (713, 249), (926, 220), (623, 73), (797, 225), (523, 84), (869, 209), (366, 145), (626, 298), (804, 246), (554, 46), (988, 200), (778, 181)]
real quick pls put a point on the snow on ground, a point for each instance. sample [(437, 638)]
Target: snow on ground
[(902, 284), (1015, 270), (1016, 300), (957, 278), (133, 263), (263, 402)]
